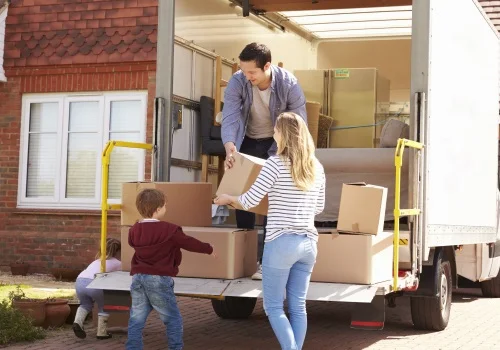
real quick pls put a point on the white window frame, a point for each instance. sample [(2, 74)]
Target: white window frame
[(3, 19), (58, 201)]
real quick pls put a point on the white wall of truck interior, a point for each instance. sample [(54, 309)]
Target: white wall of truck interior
[(219, 27)]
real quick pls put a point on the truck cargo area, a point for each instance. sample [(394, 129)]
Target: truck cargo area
[(363, 69)]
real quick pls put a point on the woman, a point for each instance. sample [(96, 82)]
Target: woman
[(294, 180)]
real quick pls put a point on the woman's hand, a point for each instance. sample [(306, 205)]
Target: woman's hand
[(225, 199)]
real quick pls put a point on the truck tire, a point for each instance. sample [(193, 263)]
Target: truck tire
[(433, 313), (234, 307), (491, 288)]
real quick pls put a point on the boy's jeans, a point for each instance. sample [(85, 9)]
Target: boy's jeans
[(150, 292), (287, 265)]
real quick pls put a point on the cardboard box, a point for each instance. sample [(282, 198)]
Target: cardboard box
[(236, 251), (362, 208), (188, 203), (240, 178), (354, 258), (127, 252)]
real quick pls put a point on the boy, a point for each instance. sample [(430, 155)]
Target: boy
[(157, 257)]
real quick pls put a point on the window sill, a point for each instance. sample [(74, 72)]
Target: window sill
[(63, 212)]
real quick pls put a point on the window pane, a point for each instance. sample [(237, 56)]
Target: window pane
[(126, 116), (81, 167), (43, 117), (41, 173), (84, 116), (124, 164)]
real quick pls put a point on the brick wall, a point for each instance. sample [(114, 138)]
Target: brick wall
[(66, 46), (56, 238)]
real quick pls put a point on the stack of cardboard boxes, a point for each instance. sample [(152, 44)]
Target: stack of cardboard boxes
[(358, 251), (190, 205)]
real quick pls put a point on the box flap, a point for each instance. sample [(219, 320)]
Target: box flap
[(212, 229), (254, 159)]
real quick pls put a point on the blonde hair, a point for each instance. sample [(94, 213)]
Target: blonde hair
[(296, 149), (113, 247)]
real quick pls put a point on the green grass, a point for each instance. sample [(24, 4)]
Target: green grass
[(36, 293), (14, 326)]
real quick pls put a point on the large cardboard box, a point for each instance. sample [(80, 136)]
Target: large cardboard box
[(241, 177), (354, 258), (126, 251), (362, 208), (188, 203), (236, 251)]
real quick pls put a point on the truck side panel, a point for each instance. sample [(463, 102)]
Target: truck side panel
[(460, 82)]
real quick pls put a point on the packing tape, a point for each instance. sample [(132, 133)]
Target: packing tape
[(355, 227)]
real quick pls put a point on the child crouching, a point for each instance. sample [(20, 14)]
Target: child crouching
[(88, 296)]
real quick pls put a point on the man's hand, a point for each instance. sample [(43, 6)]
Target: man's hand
[(230, 150), (225, 199)]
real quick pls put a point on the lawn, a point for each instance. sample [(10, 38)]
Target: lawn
[(36, 293)]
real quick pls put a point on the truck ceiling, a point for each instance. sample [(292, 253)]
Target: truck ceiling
[(299, 5)]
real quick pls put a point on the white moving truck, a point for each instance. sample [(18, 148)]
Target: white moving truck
[(452, 66)]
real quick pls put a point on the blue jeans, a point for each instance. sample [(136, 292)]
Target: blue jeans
[(287, 265), (150, 292), (87, 296)]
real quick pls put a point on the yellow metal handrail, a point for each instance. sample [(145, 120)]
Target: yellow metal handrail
[(398, 212), (105, 207)]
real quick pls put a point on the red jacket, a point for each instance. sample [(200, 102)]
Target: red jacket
[(157, 246)]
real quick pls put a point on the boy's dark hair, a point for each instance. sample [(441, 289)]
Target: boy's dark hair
[(148, 201), (259, 53)]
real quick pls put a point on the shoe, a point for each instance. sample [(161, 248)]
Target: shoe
[(258, 275), (81, 314), (102, 325), (78, 330)]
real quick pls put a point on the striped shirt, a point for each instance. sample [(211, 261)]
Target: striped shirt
[(291, 210)]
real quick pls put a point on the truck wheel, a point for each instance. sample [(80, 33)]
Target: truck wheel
[(234, 307), (491, 288), (434, 313)]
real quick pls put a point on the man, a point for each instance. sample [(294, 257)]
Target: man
[(254, 98)]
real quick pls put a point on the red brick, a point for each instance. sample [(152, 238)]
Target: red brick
[(104, 5), (100, 14), (150, 11), (64, 16), (93, 24), (131, 3), (120, 13), (118, 4), (88, 15)]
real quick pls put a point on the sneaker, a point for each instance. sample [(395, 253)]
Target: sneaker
[(258, 275)]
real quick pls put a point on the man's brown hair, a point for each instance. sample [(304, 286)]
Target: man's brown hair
[(148, 201)]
